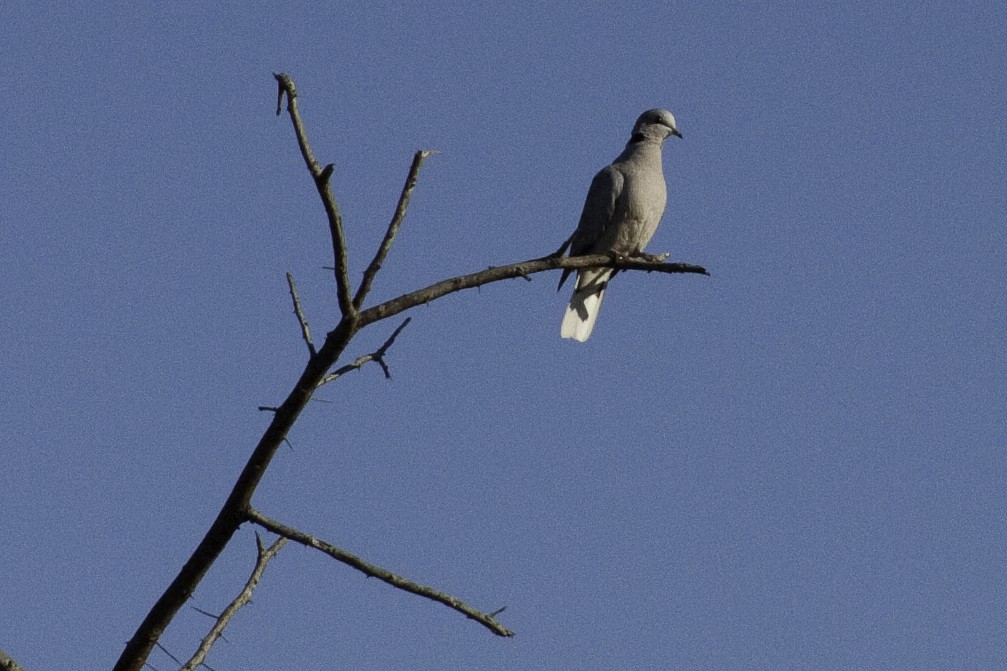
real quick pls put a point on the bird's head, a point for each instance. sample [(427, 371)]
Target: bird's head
[(656, 123)]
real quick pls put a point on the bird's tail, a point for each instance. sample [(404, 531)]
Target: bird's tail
[(578, 322)]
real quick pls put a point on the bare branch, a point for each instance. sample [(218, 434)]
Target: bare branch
[(522, 269), (393, 227), (263, 557), (378, 356), (321, 178), (374, 571), (305, 331)]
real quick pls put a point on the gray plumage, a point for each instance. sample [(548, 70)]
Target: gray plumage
[(623, 208)]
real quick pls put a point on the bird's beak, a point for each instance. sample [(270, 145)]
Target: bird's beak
[(674, 131)]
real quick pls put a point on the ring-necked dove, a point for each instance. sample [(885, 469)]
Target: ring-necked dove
[(623, 208)]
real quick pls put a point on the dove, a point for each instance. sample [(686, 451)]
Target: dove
[(623, 208)]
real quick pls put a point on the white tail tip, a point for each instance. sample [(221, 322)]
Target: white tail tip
[(582, 312)]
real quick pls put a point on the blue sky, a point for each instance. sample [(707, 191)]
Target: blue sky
[(795, 463)]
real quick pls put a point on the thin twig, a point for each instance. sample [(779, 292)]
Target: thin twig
[(263, 557), (374, 571), (321, 178), (378, 356), (393, 227), (305, 331)]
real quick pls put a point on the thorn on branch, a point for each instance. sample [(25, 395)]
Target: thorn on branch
[(165, 651), (326, 173), (206, 613), (268, 408)]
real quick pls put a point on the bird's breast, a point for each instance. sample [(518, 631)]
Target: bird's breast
[(638, 212)]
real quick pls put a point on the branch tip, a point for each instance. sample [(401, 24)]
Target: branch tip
[(284, 84)]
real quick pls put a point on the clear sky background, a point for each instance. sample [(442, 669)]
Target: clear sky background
[(796, 463)]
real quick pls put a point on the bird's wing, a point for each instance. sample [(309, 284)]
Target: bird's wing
[(600, 205)]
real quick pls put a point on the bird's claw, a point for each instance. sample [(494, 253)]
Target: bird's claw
[(652, 258), (640, 256)]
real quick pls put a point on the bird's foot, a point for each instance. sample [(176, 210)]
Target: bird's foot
[(652, 258)]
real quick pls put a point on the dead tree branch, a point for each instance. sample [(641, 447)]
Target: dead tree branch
[(237, 508), (372, 571)]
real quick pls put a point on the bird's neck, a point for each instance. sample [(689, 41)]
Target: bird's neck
[(640, 144), (640, 137)]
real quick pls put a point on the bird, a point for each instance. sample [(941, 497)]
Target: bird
[(624, 205)]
